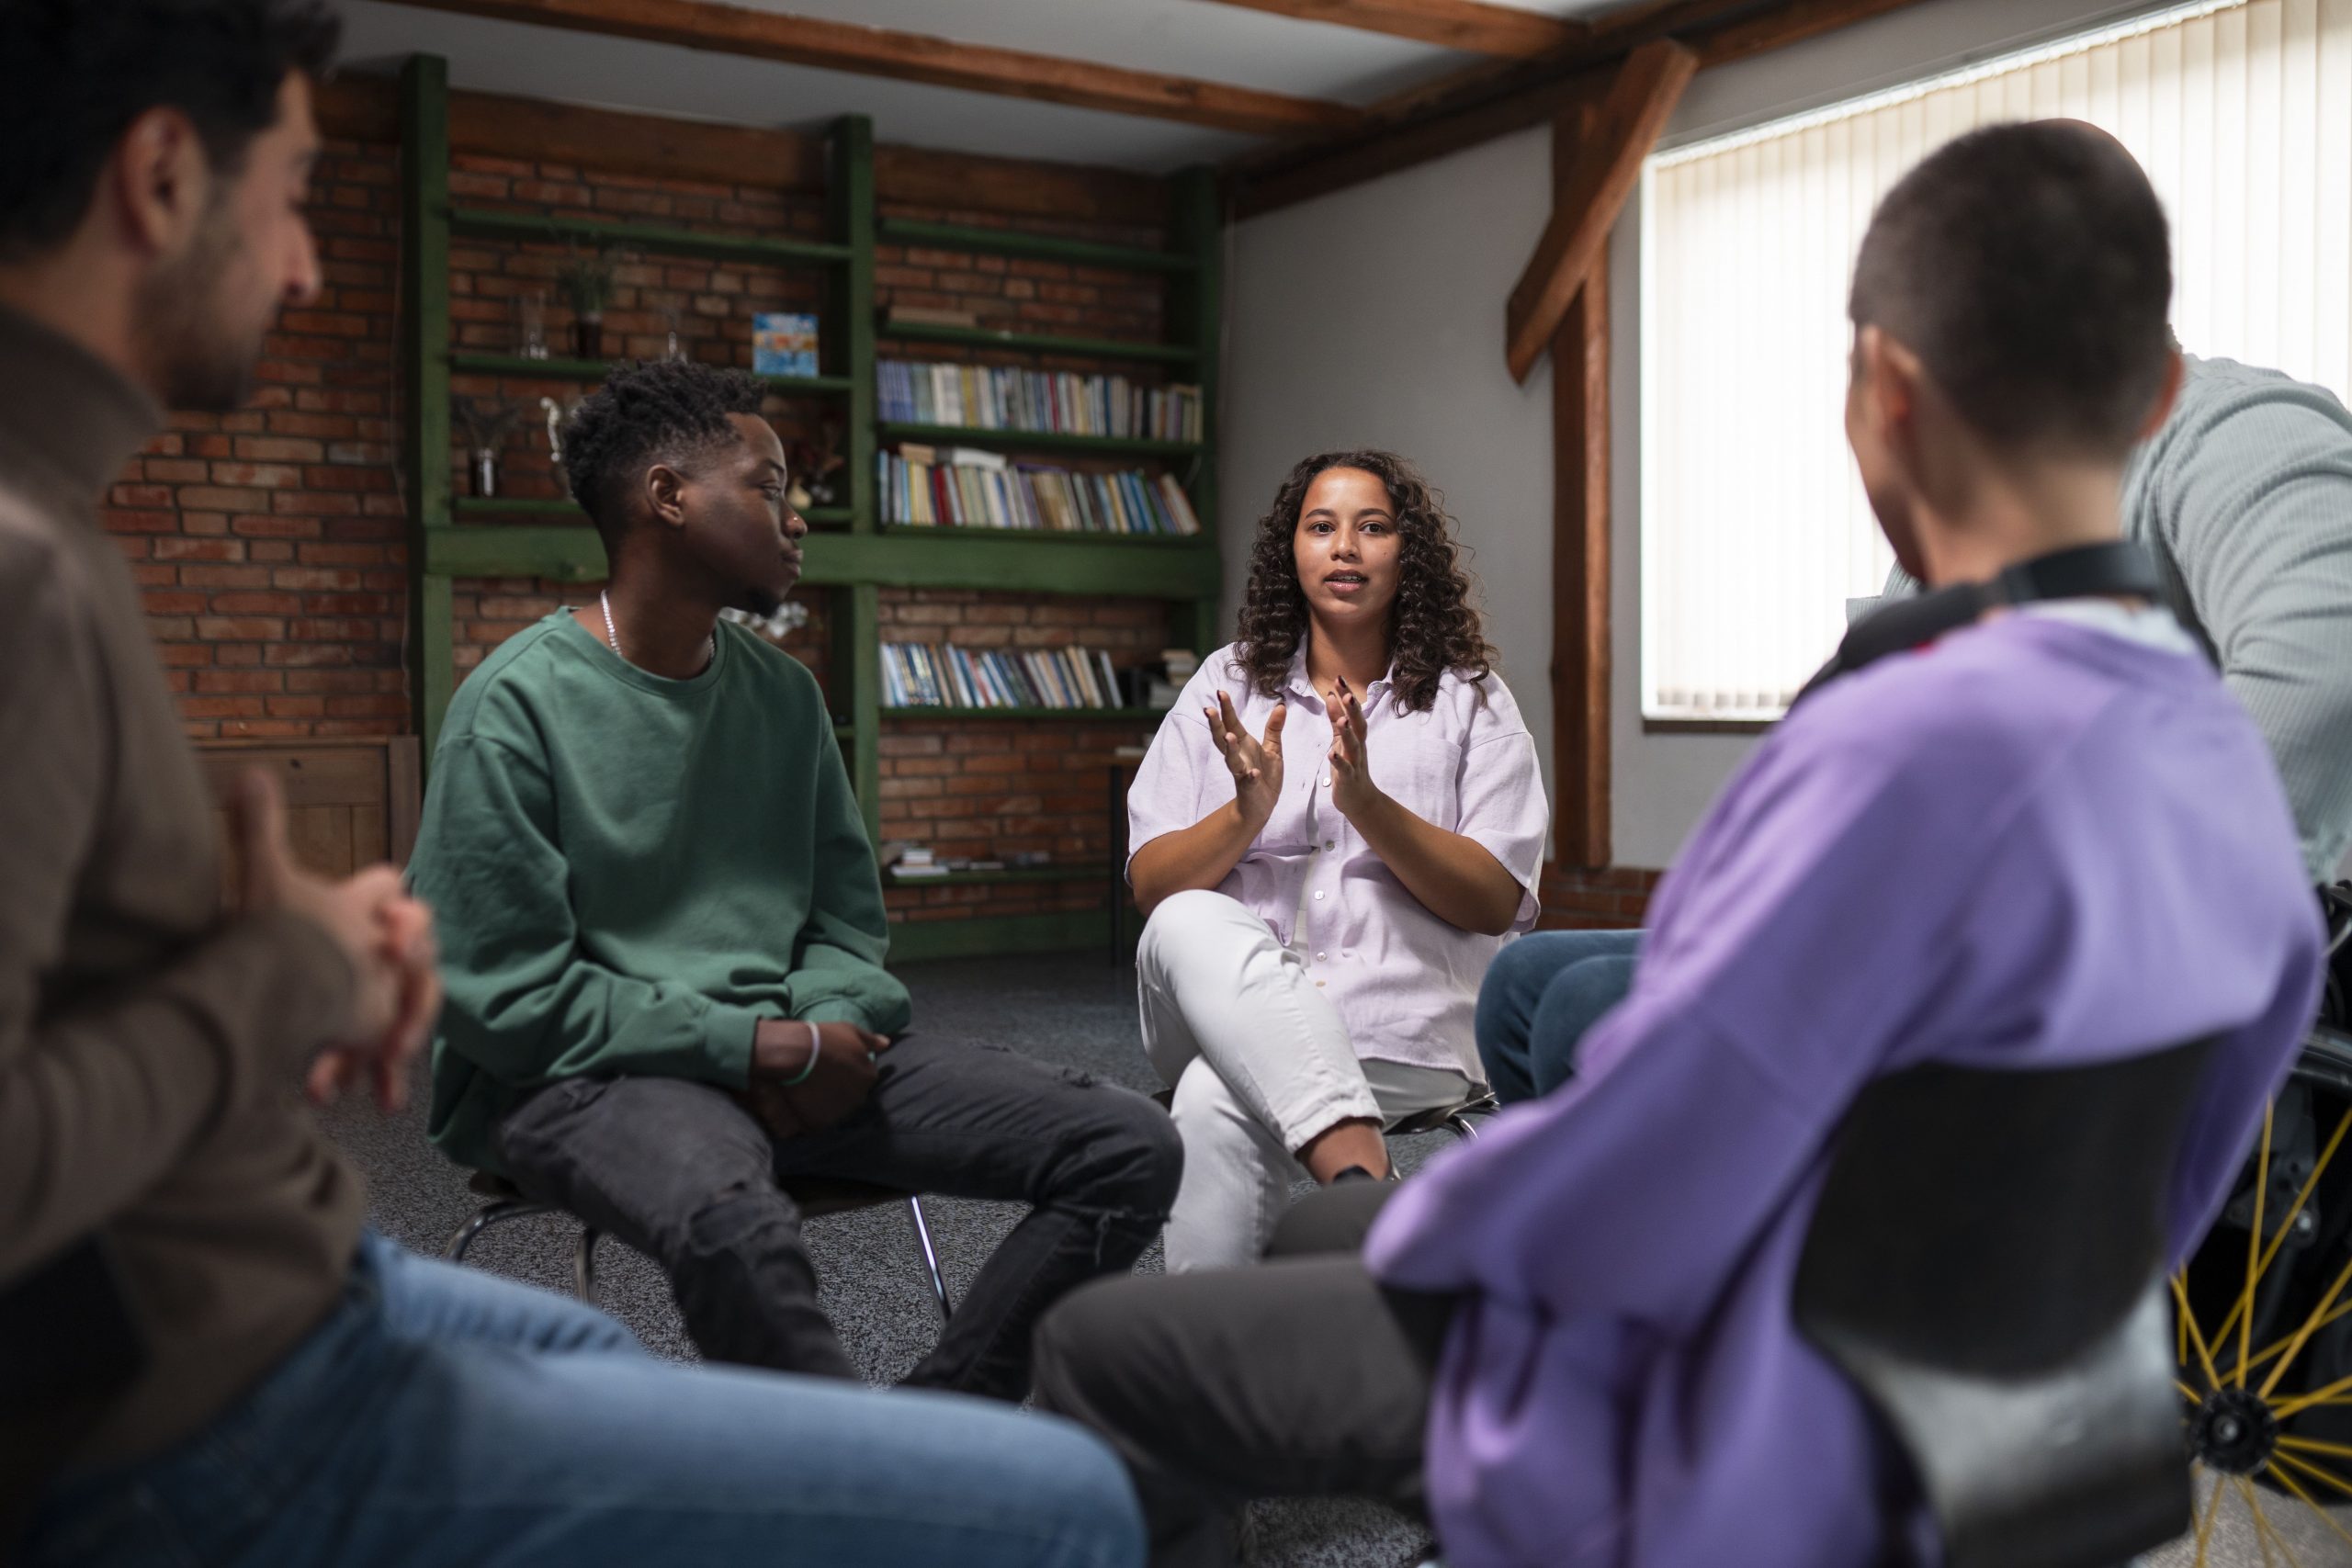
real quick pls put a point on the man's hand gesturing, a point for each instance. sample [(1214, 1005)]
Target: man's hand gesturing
[(385, 934)]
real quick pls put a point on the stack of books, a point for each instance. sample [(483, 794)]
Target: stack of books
[(919, 675), (917, 860), (1160, 694), (959, 487), (990, 397)]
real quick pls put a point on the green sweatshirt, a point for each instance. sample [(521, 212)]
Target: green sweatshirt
[(628, 873)]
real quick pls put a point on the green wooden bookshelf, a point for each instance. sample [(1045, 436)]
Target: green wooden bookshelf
[(1099, 715), (478, 223), (1040, 441), (1003, 875), (1080, 538), (1036, 247), (854, 554), (1042, 342), (520, 366)]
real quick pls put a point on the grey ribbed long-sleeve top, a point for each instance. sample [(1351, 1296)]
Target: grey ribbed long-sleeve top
[(2245, 497)]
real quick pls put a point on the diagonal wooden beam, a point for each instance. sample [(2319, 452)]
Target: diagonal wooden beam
[(1470, 26), (919, 57), (1627, 127), (1498, 97)]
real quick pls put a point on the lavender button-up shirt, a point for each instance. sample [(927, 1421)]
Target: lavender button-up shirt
[(2037, 845), (1404, 981)]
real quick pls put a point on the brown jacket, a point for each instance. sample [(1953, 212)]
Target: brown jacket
[(151, 1043)]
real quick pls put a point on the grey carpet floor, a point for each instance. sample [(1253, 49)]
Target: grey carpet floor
[(1072, 1010)]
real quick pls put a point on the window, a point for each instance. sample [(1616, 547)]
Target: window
[(1754, 528)]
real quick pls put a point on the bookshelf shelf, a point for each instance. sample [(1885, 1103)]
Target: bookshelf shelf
[(480, 223), (1040, 441), (1009, 873), (1100, 716), (1042, 343), (1036, 247), (1081, 538), (564, 506), (847, 558), (857, 556), (594, 370)]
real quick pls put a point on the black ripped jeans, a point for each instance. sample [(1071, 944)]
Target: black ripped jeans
[(683, 1173)]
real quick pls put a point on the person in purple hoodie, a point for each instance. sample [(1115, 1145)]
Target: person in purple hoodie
[(2049, 838)]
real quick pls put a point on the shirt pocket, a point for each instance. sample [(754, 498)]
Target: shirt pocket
[(1419, 767)]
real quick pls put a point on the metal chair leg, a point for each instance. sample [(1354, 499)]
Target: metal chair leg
[(930, 1258), (583, 1265), (481, 1219)]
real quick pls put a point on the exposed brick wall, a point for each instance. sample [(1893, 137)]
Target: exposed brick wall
[(1613, 899), (269, 542), (988, 788)]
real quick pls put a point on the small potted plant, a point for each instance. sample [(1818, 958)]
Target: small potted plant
[(586, 280), (490, 425)]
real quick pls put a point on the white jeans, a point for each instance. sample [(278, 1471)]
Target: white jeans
[(1262, 1065)]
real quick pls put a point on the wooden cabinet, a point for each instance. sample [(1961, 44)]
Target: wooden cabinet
[(349, 803)]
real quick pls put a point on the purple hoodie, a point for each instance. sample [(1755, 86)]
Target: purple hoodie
[(2036, 844)]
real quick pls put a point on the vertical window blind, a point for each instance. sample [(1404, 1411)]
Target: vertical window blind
[(1754, 528)]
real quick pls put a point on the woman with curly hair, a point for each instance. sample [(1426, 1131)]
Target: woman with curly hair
[(1333, 832)]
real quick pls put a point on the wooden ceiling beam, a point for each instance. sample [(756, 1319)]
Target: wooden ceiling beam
[(919, 57), (367, 109), (1469, 26), (1647, 88), (1500, 96)]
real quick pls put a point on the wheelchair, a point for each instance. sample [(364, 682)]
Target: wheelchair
[(2263, 1320)]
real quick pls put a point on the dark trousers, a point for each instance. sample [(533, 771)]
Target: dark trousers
[(1300, 1377), (682, 1172)]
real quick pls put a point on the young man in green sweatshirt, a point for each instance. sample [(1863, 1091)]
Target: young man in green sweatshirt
[(662, 932)]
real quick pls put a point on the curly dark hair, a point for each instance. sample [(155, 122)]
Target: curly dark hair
[(1433, 625), (665, 411)]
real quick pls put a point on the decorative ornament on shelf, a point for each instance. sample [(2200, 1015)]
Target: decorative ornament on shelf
[(558, 414), (673, 325), (531, 313), (490, 425), (819, 468), (586, 279), (789, 617)]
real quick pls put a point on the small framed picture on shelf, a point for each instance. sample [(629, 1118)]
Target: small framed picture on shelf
[(784, 343)]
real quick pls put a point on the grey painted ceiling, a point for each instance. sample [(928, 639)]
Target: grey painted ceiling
[(1184, 37)]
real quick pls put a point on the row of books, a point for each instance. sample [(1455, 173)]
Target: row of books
[(960, 488), (991, 397), (924, 675), (912, 863)]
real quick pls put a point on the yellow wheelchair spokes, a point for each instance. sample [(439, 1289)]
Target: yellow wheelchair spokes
[(2269, 1390)]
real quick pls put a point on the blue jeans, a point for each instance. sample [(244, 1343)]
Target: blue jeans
[(441, 1415), (1539, 995)]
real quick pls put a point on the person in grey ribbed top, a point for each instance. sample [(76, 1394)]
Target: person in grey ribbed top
[(2244, 496)]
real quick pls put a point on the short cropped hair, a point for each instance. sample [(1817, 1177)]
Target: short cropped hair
[(663, 412), (75, 74), (2029, 267)]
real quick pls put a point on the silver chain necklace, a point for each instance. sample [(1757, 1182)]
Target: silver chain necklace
[(604, 602)]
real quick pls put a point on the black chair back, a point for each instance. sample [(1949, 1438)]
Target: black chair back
[(1987, 1264)]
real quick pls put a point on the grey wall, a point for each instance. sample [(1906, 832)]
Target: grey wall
[(1375, 315)]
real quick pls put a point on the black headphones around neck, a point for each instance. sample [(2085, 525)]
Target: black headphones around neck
[(2116, 569)]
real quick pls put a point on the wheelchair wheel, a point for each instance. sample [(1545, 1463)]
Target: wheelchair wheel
[(2263, 1325)]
